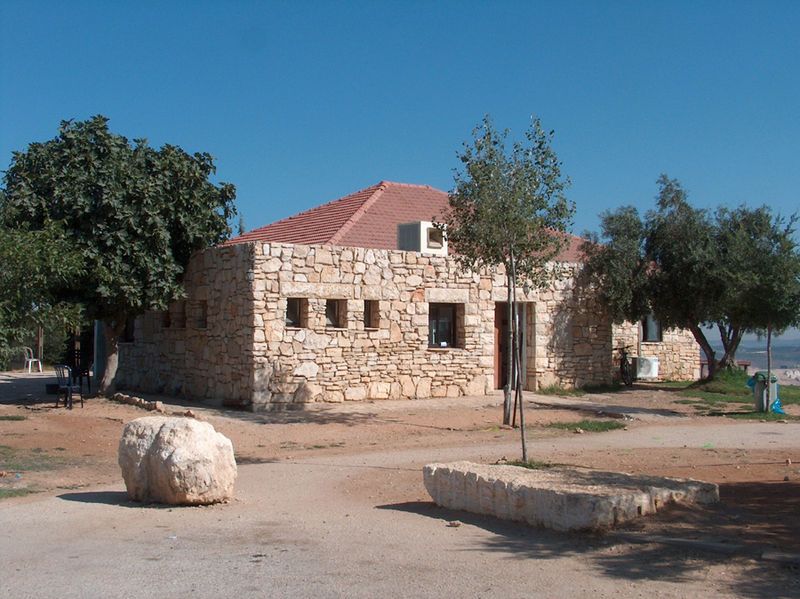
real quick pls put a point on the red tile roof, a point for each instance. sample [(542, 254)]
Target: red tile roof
[(366, 218)]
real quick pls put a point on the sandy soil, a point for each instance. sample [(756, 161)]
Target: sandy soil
[(756, 464)]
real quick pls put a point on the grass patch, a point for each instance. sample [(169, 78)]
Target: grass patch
[(531, 464), (730, 387), (6, 493), (20, 460), (13, 418), (592, 426), (767, 416), (558, 390)]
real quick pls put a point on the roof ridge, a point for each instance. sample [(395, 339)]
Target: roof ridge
[(416, 185), (350, 223)]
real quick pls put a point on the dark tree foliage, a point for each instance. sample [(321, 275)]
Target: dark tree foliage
[(134, 215)]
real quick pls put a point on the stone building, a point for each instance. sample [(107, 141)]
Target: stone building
[(324, 306)]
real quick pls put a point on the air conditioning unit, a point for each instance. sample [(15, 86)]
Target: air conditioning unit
[(423, 237), (646, 368)]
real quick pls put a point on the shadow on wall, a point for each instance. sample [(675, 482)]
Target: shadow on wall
[(580, 343)]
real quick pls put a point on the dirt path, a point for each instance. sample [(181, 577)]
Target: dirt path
[(330, 503)]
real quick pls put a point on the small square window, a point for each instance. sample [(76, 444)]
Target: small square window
[(296, 312), (371, 314), (336, 313), (651, 330)]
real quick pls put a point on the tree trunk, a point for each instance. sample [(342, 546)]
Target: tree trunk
[(700, 337), (769, 367), (731, 337), (518, 361), (111, 331), (509, 345)]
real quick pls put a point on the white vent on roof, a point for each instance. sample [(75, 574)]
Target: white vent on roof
[(423, 237), (646, 368)]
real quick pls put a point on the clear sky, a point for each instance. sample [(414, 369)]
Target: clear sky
[(302, 102)]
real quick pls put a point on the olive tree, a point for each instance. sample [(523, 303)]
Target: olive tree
[(508, 208)]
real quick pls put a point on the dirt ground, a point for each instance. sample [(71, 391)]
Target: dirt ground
[(55, 449)]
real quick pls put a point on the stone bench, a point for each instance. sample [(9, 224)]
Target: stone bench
[(558, 498)]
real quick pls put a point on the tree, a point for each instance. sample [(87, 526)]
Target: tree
[(35, 265), (508, 208), (774, 295), (133, 214), (692, 269)]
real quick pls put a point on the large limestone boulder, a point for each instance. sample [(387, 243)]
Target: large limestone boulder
[(176, 461)]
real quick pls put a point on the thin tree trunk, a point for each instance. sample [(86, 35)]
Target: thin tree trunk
[(769, 368), (518, 360), (509, 357), (111, 331)]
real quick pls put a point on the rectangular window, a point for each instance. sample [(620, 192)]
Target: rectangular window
[(336, 313), (166, 319), (201, 314), (179, 314), (127, 334), (442, 325), (651, 330), (371, 314), (296, 312)]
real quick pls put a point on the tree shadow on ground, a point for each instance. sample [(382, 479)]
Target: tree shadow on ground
[(602, 409), (614, 556)]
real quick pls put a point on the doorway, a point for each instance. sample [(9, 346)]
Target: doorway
[(502, 352)]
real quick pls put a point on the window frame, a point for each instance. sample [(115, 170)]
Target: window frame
[(372, 315), (436, 312), (339, 316), (647, 328), (302, 313)]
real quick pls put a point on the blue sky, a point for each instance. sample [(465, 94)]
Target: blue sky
[(302, 102)]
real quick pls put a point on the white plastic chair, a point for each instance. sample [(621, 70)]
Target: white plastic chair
[(30, 360)]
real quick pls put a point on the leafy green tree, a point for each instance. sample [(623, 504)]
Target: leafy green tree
[(36, 264), (693, 269), (508, 208), (133, 214)]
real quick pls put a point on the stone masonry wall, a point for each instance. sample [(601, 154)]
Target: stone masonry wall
[(205, 348), (246, 355), (678, 353)]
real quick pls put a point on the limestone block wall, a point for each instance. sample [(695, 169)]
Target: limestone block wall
[(204, 348), (235, 345), (678, 353), (351, 362), (569, 334)]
